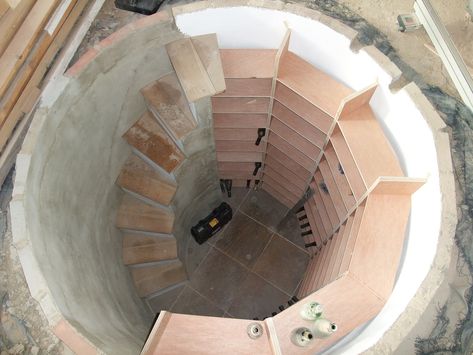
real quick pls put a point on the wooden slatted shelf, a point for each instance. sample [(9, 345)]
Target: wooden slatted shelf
[(247, 87), (314, 85), (333, 189), (240, 104), (240, 120), (248, 63)]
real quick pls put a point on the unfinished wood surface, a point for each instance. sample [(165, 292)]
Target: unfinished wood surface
[(356, 100), (312, 209), (371, 150), (295, 154), (216, 336), (167, 101), (314, 85), (333, 189), (239, 156), (23, 40), (240, 104), (4, 7), (320, 206), (348, 164), (237, 146), (248, 63), (277, 195), (137, 176), (239, 175), (237, 134), (206, 47), (353, 306), (239, 120), (320, 267), (140, 248), (294, 138), (339, 176), (235, 166), (283, 158), (282, 189), (306, 284), (303, 108), (247, 87), (11, 22), (333, 257), (326, 268), (389, 185), (286, 172), (350, 245), (137, 215), (156, 333), (192, 75), (147, 136), (343, 247), (152, 278), (318, 232), (378, 248), (289, 185), (320, 184), (298, 124)]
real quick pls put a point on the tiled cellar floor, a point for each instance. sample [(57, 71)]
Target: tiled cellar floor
[(251, 267)]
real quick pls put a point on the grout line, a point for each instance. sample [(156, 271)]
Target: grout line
[(201, 261), (208, 299), (179, 295), (262, 252), (291, 242), (269, 282)]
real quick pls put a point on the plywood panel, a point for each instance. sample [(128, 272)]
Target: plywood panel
[(323, 263), (277, 195), (282, 189), (314, 85), (236, 134), (326, 268), (237, 146), (333, 257), (248, 63), (294, 138), (192, 75), (333, 189), (371, 150), (247, 87), (283, 181), (284, 159), (357, 99), (229, 166), (348, 164), (292, 152), (347, 254), (147, 136), (326, 198), (141, 248), (239, 156), (339, 176), (303, 108), (314, 226), (206, 47), (240, 120), (286, 172), (300, 125), (342, 248), (240, 104), (388, 185), (318, 220), (320, 207)]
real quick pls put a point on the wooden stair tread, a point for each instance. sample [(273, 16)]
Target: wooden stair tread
[(147, 136), (166, 99), (248, 63), (206, 47), (137, 215), (192, 75), (139, 248), (152, 278)]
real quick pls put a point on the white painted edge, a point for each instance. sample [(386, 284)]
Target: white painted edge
[(273, 336), (56, 17)]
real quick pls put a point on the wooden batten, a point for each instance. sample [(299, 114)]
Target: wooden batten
[(396, 185), (356, 100)]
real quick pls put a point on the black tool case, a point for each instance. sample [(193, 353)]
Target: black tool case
[(211, 224)]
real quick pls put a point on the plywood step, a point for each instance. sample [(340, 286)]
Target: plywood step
[(198, 66), (154, 277), (147, 136), (141, 248), (167, 101), (139, 177), (137, 215)]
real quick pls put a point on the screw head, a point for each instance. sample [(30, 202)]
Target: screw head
[(254, 330)]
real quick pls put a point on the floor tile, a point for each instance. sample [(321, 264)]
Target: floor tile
[(290, 229), (243, 239), (257, 298), (264, 208), (195, 254), (218, 278), (238, 195), (283, 264), (190, 302)]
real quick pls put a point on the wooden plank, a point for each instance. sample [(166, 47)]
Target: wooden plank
[(206, 47), (240, 104), (239, 120), (333, 257), (339, 175), (371, 150), (320, 184), (235, 166), (294, 138), (236, 134), (301, 292), (152, 278), (319, 205), (314, 214), (388, 185), (323, 262), (247, 87), (22, 42), (314, 85), (156, 333), (239, 156), (356, 100), (237, 146), (189, 69), (284, 159), (343, 245), (303, 108), (282, 189), (350, 245), (299, 124), (348, 164), (139, 177), (166, 99), (325, 268), (296, 155), (286, 172), (277, 195), (288, 185), (143, 248), (248, 63), (314, 225), (333, 189), (11, 22)]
